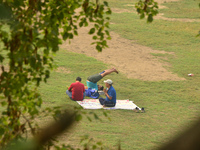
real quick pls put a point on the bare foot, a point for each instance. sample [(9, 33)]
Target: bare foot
[(116, 70)]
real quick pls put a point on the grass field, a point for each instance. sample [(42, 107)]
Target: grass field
[(171, 106)]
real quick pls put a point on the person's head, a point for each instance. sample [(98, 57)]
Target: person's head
[(78, 79), (100, 87), (108, 82)]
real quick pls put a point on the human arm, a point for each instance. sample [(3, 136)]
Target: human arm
[(84, 88), (70, 88), (107, 95)]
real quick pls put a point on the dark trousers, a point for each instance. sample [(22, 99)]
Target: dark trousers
[(106, 103)]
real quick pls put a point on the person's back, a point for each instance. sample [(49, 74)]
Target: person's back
[(76, 91)]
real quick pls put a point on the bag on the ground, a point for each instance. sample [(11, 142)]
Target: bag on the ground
[(92, 93)]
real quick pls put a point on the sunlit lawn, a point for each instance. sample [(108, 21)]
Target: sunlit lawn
[(171, 106)]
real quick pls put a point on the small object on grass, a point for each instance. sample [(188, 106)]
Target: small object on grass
[(142, 110), (136, 109), (190, 75)]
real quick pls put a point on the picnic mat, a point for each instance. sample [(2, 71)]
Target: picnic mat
[(94, 104)]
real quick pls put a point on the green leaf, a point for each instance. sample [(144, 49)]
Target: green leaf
[(71, 36), (109, 38), (92, 30), (94, 147), (89, 119), (3, 103), (150, 18), (1, 58), (5, 12), (104, 43), (65, 36), (138, 10), (105, 3), (99, 48), (109, 12), (2, 130), (80, 24), (95, 116), (75, 32), (142, 16), (96, 26), (99, 143), (105, 114), (107, 32), (95, 37)]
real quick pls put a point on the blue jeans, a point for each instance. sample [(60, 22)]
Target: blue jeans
[(106, 103), (70, 95)]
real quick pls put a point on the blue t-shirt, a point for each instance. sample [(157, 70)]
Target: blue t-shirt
[(92, 85), (112, 93)]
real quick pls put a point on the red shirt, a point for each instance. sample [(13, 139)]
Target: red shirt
[(77, 89)]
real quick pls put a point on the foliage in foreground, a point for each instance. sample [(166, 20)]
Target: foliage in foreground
[(29, 34)]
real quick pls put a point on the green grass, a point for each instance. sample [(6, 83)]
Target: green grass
[(171, 106), (127, 4), (178, 37), (182, 9)]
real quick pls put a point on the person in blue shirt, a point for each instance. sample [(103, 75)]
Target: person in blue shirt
[(110, 93), (93, 79)]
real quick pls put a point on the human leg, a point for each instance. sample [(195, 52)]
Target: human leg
[(109, 104), (108, 71), (96, 77), (101, 100), (84, 94), (69, 94)]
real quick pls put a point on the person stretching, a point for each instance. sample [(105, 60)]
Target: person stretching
[(93, 79)]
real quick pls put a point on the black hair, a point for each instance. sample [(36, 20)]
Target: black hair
[(78, 79), (102, 88)]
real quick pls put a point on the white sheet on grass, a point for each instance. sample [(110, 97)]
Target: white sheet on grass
[(94, 104)]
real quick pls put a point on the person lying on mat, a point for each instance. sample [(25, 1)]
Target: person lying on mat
[(110, 100), (76, 91), (93, 79)]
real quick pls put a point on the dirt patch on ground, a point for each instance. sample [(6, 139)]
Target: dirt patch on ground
[(165, 1), (133, 60), (160, 16)]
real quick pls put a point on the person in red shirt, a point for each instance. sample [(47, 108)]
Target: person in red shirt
[(76, 91)]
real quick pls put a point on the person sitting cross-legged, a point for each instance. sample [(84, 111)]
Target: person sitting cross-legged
[(110, 93), (76, 91)]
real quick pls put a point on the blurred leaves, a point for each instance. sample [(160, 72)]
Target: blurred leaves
[(89, 143), (147, 8), (5, 12), (30, 33)]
